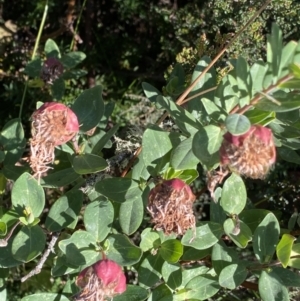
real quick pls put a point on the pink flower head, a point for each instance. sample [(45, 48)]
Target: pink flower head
[(104, 279), (170, 205), (251, 154), (51, 70), (53, 124)]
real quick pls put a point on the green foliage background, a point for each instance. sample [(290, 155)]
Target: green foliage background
[(128, 42)]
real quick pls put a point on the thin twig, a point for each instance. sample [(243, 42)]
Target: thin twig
[(41, 262)]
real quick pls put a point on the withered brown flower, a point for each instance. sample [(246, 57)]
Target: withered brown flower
[(53, 124), (170, 205), (101, 281), (251, 154)]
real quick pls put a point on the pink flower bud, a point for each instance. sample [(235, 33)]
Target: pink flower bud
[(170, 204), (251, 154), (51, 70), (53, 124), (103, 280)]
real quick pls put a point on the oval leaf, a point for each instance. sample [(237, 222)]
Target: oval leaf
[(122, 250), (64, 211), (237, 124), (243, 237), (233, 275), (171, 250), (234, 195), (206, 235), (284, 249), (88, 163), (206, 145), (98, 218), (28, 193), (28, 243), (45, 297), (119, 189), (131, 215), (265, 238), (89, 108)]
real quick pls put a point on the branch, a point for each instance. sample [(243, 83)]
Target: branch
[(41, 262)]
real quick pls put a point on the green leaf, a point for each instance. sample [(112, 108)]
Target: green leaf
[(234, 195), (190, 272), (72, 59), (256, 116), (237, 124), (202, 287), (183, 119), (294, 261), (97, 148), (64, 211), (287, 57), (45, 297), (284, 249), (217, 213), (182, 156), (28, 243), (244, 81), (139, 170), (233, 275), (226, 95), (211, 108), (253, 217), (172, 274), (265, 238), (160, 292), (288, 155), (149, 272), (149, 239), (191, 254), (119, 189), (271, 288), (206, 145), (89, 108), (79, 248), (293, 83), (257, 72), (88, 163), (122, 250), (208, 81), (156, 149), (274, 50), (243, 237), (206, 235), (288, 102), (7, 260), (287, 277), (58, 89), (98, 218), (33, 68), (27, 192), (60, 178), (132, 293), (171, 250), (150, 91), (12, 141), (51, 49), (222, 256), (131, 215)]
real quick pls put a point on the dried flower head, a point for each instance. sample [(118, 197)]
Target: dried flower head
[(251, 154), (51, 70), (170, 204), (53, 124), (101, 281)]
